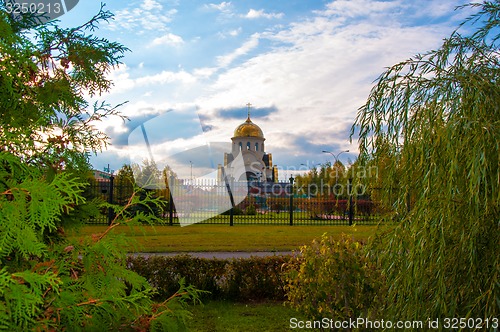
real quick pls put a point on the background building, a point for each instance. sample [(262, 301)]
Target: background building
[(248, 139)]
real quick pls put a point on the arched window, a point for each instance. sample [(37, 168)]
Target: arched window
[(248, 146), (256, 146), (241, 146)]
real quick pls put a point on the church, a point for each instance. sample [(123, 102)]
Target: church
[(248, 139)]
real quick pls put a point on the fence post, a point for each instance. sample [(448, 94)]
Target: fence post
[(110, 199), (291, 200), (231, 198), (351, 206), (231, 217), (171, 184)]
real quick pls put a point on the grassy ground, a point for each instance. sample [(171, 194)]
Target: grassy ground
[(226, 238), (248, 317), (221, 315)]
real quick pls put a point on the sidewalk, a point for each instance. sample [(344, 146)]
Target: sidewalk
[(216, 254)]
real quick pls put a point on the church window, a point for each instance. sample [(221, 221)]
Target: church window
[(256, 146), (248, 146), (241, 146)]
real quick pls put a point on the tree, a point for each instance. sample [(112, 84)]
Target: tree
[(433, 123), (168, 175), (125, 174), (124, 183), (48, 281), (148, 175), (149, 182), (45, 71)]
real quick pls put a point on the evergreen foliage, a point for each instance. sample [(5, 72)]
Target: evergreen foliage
[(432, 125), (51, 283), (48, 282), (45, 71)]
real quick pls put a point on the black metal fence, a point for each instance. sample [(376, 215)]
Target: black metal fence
[(209, 201)]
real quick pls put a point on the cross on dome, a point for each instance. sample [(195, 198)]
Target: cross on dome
[(248, 128), (249, 106)]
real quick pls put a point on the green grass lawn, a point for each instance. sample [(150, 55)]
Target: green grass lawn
[(218, 316), (223, 315), (201, 237)]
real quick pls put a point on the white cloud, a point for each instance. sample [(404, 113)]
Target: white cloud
[(235, 32), (226, 60), (223, 6), (175, 82), (166, 76), (358, 8), (151, 5), (168, 39), (439, 9), (320, 75), (253, 14), (316, 73), (150, 15), (230, 33), (120, 76), (205, 72)]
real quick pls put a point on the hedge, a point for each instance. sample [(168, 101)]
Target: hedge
[(242, 279)]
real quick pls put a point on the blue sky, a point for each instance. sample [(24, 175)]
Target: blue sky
[(305, 66)]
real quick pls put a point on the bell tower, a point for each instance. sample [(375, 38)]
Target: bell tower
[(248, 139)]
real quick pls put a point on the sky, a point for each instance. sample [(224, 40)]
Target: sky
[(306, 67)]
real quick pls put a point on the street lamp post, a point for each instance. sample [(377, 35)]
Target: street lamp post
[(335, 156), (191, 171)]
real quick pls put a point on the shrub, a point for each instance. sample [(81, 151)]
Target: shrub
[(251, 210), (277, 207), (255, 278), (335, 279), (364, 207)]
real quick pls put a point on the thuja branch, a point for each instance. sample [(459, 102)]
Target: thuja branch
[(114, 222)]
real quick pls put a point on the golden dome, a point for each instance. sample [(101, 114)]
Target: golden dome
[(248, 129)]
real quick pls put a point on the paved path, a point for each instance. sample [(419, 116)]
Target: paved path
[(218, 254)]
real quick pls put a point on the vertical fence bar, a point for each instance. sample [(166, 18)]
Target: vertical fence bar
[(171, 184), (291, 200), (110, 199), (231, 217), (229, 191), (351, 206)]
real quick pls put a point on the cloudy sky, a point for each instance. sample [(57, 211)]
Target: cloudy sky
[(306, 66)]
